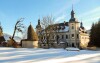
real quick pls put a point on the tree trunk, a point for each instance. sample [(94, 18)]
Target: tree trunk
[(14, 32)]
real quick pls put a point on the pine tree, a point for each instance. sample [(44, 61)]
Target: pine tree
[(91, 35), (95, 35)]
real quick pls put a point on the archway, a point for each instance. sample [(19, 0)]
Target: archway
[(73, 45)]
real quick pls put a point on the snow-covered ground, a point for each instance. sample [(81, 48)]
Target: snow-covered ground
[(30, 55)]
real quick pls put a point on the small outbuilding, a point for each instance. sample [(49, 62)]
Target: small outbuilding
[(32, 39)]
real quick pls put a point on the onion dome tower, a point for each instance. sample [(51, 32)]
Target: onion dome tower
[(81, 26), (73, 19), (38, 26)]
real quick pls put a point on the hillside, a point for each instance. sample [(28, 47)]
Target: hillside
[(6, 36)]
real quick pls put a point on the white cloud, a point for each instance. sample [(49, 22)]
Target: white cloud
[(92, 19), (65, 7), (60, 18), (59, 13), (91, 12), (89, 17), (88, 22)]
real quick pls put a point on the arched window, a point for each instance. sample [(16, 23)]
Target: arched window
[(72, 27)]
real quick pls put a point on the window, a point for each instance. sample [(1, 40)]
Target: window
[(66, 36), (62, 36), (57, 37), (72, 27), (44, 37), (72, 35), (73, 45), (52, 37), (77, 36), (69, 36), (77, 44)]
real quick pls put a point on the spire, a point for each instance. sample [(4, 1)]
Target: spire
[(38, 21), (72, 19), (81, 24), (72, 13), (72, 6), (38, 25)]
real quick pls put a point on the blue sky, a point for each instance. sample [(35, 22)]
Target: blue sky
[(11, 10)]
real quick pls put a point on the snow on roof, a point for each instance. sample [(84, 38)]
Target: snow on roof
[(65, 29)]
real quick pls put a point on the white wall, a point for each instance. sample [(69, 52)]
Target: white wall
[(29, 44)]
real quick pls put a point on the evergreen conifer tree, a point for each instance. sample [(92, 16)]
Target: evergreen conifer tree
[(95, 35)]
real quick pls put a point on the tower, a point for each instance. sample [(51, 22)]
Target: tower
[(81, 26), (38, 27), (73, 30)]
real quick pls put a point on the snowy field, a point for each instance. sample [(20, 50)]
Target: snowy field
[(30, 55)]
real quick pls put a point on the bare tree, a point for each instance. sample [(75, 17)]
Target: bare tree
[(47, 25), (18, 27), (24, 34)]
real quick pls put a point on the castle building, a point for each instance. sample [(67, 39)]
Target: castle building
[(68, 34)]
